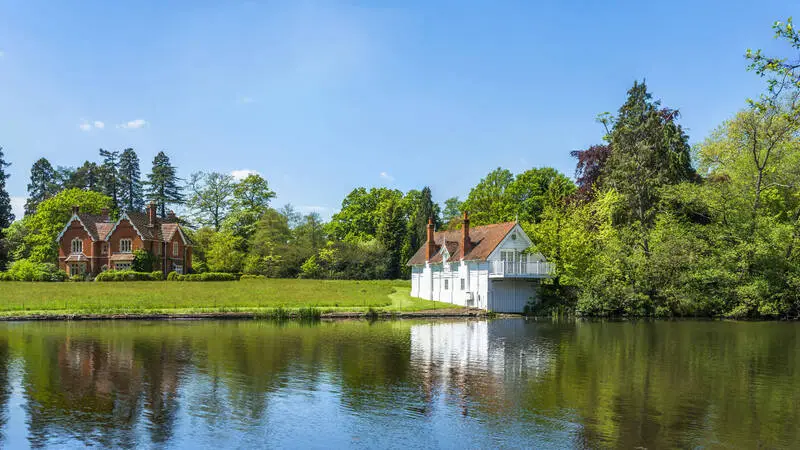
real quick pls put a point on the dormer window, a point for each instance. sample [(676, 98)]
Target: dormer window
[(77, 245), (175, 248), (125, 245)]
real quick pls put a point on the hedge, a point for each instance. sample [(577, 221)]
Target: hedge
[(128, 275), (207, 276), (251, 277)]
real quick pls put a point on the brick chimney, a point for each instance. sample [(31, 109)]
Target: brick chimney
[(466, 242), (151, 214), (104, 214), (430, 246), (171, 215), (76, 210)]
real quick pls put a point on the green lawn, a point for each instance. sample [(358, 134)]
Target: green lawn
[(17, 298)]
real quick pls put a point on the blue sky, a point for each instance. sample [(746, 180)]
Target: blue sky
[(321, 97)]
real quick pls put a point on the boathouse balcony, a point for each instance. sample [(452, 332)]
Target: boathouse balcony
[(520, 269)]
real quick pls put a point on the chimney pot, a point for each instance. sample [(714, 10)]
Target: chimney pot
[(76, 210)]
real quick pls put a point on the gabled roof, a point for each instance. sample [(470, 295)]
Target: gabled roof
[(99, 228), (484, 240), (88, 222)]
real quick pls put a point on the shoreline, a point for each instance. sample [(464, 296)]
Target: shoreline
[(254, 315)]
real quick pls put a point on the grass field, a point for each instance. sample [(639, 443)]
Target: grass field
[(18, 298)]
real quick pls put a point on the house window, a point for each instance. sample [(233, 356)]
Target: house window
[(175, 248), (446, 285), (122, 266), (125, 245), (76, 269), (463, 284), (104, 248), (77, 246)]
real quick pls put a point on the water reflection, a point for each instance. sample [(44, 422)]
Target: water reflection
[(506, 383)]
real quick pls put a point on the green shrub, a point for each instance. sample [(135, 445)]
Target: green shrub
[(26, 270), (207, 276), (172, 276), (251, 277), (128, 275), (143, 261), (5, 276), (77, 277)]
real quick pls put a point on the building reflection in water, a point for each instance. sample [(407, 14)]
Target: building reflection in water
[(478, 363)]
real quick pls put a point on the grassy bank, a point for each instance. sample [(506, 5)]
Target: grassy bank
[(263, 297)]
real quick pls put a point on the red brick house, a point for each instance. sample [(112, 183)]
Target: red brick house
[(91, 243)]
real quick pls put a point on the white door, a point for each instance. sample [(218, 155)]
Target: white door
[(507, 256), (511, 296)]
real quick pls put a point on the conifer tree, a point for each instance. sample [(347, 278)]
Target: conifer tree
[(163, 185), (110, 175), (42, 185), (6, 216), (131, 196)]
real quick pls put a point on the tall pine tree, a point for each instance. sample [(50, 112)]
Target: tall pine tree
[(130, 193), (6, 217), (163, 186), (42, 185), (110, 175)]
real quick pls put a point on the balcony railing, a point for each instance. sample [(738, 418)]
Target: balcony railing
[(518, 269)]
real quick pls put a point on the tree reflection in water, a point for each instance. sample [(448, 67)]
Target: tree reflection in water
[(467, 383)]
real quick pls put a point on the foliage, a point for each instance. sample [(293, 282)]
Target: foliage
[(210, 197), (143, 261), (109, 175), (163, 184), (27, 270), (502, 197), (42, 185), (6, 216), (131, 194), (590, 167), (128, 275), (42, 228), (207, 276)]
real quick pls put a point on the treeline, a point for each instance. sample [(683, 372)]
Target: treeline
[(650, 227)]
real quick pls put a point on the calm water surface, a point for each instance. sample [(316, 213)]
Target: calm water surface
[(504, 383)]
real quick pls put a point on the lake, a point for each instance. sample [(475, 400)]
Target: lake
[(506, 383)]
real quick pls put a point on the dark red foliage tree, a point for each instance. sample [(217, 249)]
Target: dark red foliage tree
[(589, 169)]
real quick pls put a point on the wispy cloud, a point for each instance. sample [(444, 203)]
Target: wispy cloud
[(386, 176), (89, 125), (2, 53), (133, 124), (245, 100), (240, 175)]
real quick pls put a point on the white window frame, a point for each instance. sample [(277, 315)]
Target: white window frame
[(104, 248), (123, 248), (122, 266), (175, 248), (76, 246)]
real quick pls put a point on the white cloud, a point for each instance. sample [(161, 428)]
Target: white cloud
[(247, 100), (99, 125), (386, 176), (18, 207), (240, 175), (133, 124), (85, 126)]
